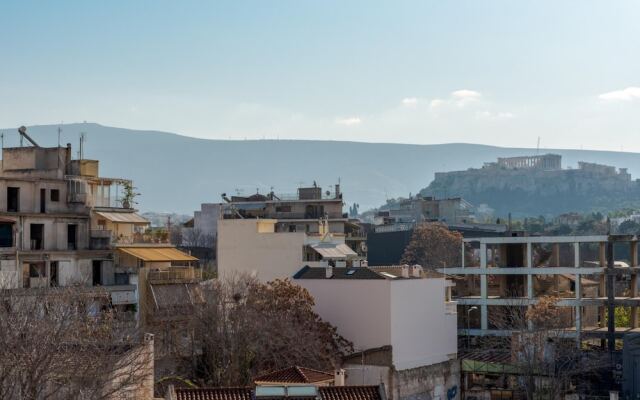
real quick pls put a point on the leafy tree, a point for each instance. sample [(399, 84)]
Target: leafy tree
[(433, 245)]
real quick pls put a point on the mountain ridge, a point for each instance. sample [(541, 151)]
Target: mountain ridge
[(176, 173)]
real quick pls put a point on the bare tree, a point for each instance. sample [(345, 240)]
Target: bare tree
[(244, 328), (63, 343), (545, 360)]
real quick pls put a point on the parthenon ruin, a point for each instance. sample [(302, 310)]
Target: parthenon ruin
[(545, 161)]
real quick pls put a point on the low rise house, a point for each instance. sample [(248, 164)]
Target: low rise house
[(400, 320)]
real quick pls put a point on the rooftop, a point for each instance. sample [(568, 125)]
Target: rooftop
[(295, 374), (366, 273), (238, 393), (320, 393)]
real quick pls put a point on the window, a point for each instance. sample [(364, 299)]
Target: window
[(53, 273), (37, 236), (13, 199), (6, 235), (55, 195), (97, 272), (72, 237), (43, 200), (283, 208), (37, 270)]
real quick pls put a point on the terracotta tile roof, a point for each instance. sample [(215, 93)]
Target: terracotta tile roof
[(214, 394), (295, 375), (351, 393)]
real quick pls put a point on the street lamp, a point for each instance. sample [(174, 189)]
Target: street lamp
[(472, 308)]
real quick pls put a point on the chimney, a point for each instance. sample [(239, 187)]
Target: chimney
[(405, 271), (328, 270), (416, 271), (339, 376)]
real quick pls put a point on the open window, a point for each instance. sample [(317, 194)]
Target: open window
[(37, 236), (53, 274), (13, 199), (6, 234), (72, 237), (43, 200), (97, 272)]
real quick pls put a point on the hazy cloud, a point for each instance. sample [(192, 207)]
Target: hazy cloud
[(349, 121), (628, 94), (458, 98), (410, 101)]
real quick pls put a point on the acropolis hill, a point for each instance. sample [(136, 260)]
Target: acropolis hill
[(538, 185)]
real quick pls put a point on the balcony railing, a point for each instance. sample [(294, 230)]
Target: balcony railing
[(175, 275)]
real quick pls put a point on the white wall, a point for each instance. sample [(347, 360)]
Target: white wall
[(422, 333), (408, 314), (360, 309), (250, 246)]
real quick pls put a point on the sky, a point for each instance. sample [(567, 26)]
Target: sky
[(502, 73)]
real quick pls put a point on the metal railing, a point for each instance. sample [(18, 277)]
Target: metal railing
[(175, 275)]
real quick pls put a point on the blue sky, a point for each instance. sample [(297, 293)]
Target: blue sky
[(492, 72)]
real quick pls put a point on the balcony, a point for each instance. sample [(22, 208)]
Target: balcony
[(122, 294), (77, 198), (100, 239), (175, 275), (451, 307)]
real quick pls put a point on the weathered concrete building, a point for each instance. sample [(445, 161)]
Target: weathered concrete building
[(61, 223)]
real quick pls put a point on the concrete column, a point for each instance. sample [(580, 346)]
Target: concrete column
[(578, 288), (484, 317), (634, 282), (463, 252), (602, 292)]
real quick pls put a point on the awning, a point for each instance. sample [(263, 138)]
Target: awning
[(123, 217), (157, 254), (333, 250)]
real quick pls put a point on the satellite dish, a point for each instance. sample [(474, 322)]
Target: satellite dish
[(327, 193)]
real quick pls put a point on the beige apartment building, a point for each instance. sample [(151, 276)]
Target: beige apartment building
[(255, 247), (61, 223)]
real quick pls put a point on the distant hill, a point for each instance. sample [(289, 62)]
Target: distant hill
[(176, 173)]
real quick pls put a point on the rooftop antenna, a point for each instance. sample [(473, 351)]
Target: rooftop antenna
[(23, 134), (59, 132), (538, 146)]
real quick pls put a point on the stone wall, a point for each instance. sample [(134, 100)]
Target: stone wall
[(433, 382)]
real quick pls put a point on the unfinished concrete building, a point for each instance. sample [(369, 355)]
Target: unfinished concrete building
[(502, 272)]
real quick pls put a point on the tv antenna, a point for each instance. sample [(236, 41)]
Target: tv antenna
[(83, 138)]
